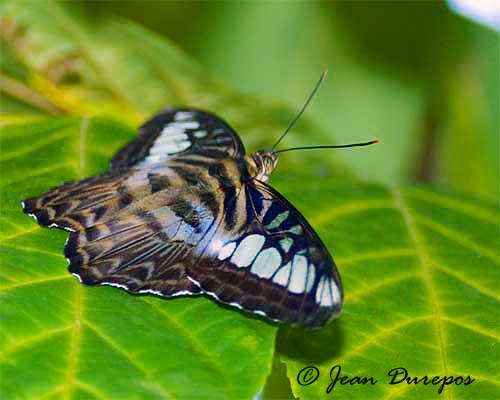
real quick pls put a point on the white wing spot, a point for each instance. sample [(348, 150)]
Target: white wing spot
[(173, 138), (281, 278), (180, 138), (335, 292), (286, 243), (175, 148), (278, 220), (117, 285), (299, 271), (233, 304), (157, 293), (320, 289), (186, 125), (247, 250), (327, 293), (266, 263), (183, 115), (297, 229), (180, 293), (150, 291), (168, 131), (156, 158), (311, 274), (33, 216), (226, 251), (200, 134)]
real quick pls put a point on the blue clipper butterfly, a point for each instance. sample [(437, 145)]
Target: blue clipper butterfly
[(183, 210)]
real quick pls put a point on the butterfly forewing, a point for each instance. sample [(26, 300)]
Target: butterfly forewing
[(272, 264), (177, 132)]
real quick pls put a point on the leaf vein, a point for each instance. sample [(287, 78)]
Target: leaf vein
[(348, 209), (467, 280), (457, 237), (20, 344), (193, 340), (426, 274), (34, 282)]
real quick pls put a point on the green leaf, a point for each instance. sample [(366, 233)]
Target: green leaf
[(417, 267), (420, 274)]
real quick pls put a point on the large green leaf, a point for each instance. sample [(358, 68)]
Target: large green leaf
[(420, 267), (420, 273)]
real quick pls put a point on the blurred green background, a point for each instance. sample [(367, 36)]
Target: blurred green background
[(417, 76), (414, 74)]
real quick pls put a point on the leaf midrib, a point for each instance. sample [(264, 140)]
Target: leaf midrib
[(426, 273), (75, 341)]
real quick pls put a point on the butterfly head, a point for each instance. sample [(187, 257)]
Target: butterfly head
[(265, 162)]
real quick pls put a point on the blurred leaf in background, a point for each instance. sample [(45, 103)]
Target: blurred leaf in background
[(435, 71)]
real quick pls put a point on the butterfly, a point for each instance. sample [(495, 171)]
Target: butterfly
[(183, 210)]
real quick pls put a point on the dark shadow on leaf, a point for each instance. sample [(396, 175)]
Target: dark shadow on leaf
[(311, 346)]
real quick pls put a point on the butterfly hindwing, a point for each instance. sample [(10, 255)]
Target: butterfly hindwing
[(179, 131), (142, 251), (275, 265)]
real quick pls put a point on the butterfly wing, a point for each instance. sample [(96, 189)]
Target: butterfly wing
[(140, 168), (274, 264), (130, 225), (142, 252), (175, 132), (146, 246)]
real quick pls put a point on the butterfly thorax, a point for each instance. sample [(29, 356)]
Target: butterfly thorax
[(261, 165)]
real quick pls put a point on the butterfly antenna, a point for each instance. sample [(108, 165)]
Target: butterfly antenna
[(330, 147), (290, 126)]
